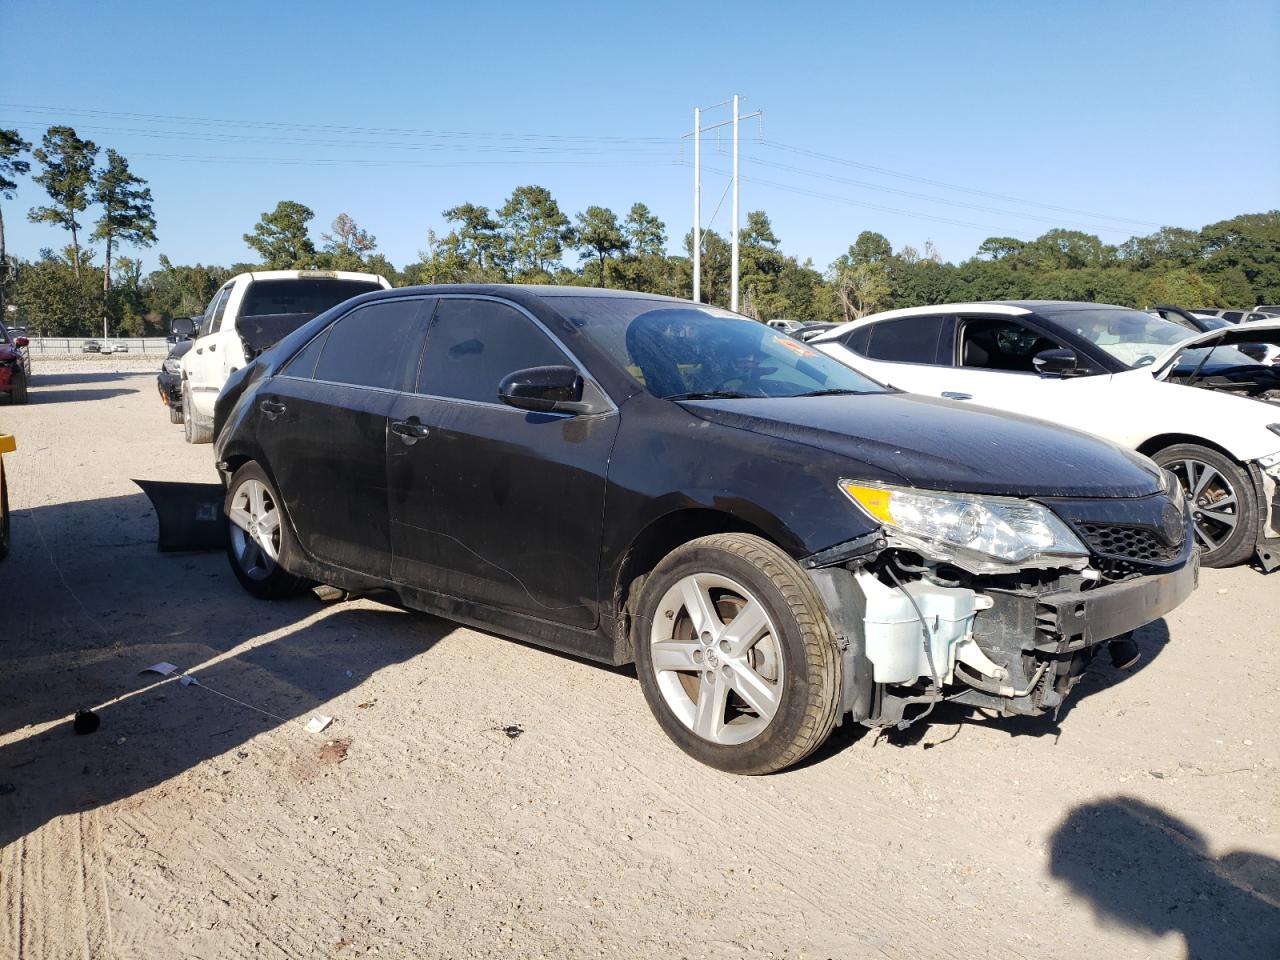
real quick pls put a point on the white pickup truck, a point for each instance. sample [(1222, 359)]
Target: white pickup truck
[(251, 312)]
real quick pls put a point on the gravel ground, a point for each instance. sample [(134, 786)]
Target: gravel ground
[(478, 797)]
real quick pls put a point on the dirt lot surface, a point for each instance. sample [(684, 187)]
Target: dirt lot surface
[(477, 797)]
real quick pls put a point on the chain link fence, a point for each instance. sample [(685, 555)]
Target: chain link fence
[(153, 345)]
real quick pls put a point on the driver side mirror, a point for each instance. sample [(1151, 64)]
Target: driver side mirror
[(20, 341), (1059, 362), (555, 389)]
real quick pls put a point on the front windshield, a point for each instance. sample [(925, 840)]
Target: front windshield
[(1210, 360), (680, 351), (1130, 336)]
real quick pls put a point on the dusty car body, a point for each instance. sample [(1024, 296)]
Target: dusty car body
[(629, 477)]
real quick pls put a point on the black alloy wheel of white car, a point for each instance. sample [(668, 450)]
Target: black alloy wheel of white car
[(1224, 509)]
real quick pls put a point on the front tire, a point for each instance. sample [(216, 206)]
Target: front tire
[(735, 654), (1223, 505), (258, 535)]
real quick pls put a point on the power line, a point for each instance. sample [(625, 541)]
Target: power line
[(845, 161)]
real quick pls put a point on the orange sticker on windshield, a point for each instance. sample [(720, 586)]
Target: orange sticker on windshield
[(795, 346)]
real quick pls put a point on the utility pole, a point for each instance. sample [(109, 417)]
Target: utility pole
[(698, 131), (697, 204)]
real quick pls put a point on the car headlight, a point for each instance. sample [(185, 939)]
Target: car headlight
[(981, 534), (172, 367)]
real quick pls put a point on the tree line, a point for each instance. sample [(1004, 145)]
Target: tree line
[(529, 238)]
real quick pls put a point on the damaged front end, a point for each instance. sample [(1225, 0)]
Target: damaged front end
[(921, 622)]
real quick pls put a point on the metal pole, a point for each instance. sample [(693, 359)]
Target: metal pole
[(733, 277), (697, 205)]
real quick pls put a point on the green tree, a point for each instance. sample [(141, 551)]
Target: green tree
[(1250, 244), (870, 247), (12, 147), (477, 239), (348, 245), (67, 174), (535, 231), (55, 298), (282, 237), (598, 235), (127, 216), (646, 234), (180, 291)]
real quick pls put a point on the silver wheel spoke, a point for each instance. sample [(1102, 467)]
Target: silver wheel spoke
[(750, 624), (708, 720), (1207, 476), (755, 690), (252, 556), (697, 601), (1205, 539), (257, 504), (240, 518), (674, 655)]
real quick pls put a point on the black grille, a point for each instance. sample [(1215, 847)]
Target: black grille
[(1137, 544)]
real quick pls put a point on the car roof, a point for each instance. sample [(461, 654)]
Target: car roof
[(1010, 308), (545, 291)]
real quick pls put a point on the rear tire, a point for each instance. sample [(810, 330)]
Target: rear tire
[(175, 412), (193, 429), (258, 534), (752, 700), (18, 387), (1225, 511)]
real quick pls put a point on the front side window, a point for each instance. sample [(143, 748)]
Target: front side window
[(686, 351), (905, 340), (472, 345), (1130, 336), (213, 315), (375, 345), (1001, 344)]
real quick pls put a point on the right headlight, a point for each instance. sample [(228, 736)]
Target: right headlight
[(172, 366), (982, 534)]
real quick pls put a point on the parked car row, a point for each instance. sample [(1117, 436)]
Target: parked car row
[(104, 346), (777, 538)]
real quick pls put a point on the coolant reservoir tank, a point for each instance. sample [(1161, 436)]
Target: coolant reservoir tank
[(895, 636)]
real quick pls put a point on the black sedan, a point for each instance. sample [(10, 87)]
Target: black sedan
[(775, 540)]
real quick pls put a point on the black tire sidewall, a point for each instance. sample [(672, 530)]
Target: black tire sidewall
[(18, 388), (760, 754), (280, 583), (1240, 545)]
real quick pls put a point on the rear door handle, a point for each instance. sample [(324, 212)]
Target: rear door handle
[(272, 408), (411, 430), (953, 395)]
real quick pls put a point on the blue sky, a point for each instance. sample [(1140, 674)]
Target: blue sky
[(1153, 113)]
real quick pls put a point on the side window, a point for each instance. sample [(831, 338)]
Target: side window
[(303, 364), (1001, 344), (1232, 316), (375, 345), (220, 310), (906, 340), (859, 340), (473, 344), (4, 334), (214, 312)]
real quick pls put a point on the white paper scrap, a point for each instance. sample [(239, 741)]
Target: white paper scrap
[(162, 668), (318, 723)]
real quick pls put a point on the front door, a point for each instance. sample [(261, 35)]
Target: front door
[(323, 427), (490, 503)]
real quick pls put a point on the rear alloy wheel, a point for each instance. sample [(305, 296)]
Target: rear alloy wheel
[(1223, 507), (257, 534), (735, 654)]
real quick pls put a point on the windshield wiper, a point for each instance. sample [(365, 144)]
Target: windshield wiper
[(833, 392), (712, 395)]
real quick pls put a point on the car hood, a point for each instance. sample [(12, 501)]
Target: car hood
[(945, 445)]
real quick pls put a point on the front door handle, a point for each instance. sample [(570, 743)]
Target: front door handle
[(410, 431), (954, 395), (272, 408)]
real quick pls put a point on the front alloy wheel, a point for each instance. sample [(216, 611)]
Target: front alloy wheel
[(735, 654), (1224, 510)]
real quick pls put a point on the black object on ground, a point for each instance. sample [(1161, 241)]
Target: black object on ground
[(86, 721), (190, 514)]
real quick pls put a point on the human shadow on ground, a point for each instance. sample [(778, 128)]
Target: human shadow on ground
[(1141, 867)]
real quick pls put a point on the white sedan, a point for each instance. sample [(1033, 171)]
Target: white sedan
[(1195, 404)]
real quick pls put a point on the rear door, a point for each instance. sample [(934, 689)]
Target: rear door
[(323, 427), (490, 503)]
